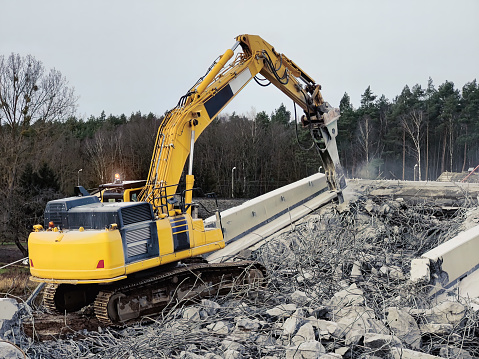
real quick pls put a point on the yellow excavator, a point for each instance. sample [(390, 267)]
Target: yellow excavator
[(132, 259)]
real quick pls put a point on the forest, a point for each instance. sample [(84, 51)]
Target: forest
[(45, 150)]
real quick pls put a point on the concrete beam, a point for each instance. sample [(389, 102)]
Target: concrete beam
[(453, 261), (254, 220)]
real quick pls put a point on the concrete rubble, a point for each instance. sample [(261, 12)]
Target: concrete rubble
[(339, 286)]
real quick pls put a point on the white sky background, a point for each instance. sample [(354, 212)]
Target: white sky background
[(127, 56)]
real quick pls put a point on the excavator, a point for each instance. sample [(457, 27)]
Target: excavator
[(134, 258)]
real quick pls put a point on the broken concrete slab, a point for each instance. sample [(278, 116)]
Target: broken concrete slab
[(10, 321), (403, 325), (453, 352), (380, 344), (307, 350), (436, 329), (10, 351), (282, 310), (348, 297), (220, 327), (247, 323), (300, 298), (304, 334), (292, 324), (446, 313)]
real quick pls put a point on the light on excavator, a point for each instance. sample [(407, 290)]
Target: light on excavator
[(31, 262), (51, 224), (101, 264)]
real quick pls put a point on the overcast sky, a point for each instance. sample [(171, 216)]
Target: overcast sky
[(142, 55)]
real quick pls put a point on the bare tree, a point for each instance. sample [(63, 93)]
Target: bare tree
[(413, 123), (28, 94), (365, 138), (105, 154)]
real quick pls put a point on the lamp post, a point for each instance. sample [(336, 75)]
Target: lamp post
[(80, 170), (233, 182), (415, 166)]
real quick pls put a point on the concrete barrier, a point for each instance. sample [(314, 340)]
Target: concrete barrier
[(262, 216)]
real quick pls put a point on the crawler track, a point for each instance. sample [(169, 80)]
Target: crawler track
[(118, 304), (121, 302)]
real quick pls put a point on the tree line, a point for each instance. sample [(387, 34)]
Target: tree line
[(45, 150), (420, 134)]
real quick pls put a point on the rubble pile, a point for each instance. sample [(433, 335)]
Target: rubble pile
[(338, 287)]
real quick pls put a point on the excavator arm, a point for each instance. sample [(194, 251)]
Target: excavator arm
[(182, 126)]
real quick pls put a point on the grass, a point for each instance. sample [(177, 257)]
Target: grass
[(14, 280)]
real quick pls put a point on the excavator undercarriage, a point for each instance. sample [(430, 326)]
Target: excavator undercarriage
[(131, 299)]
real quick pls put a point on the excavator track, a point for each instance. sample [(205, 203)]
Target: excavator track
[(49, 297), (119, 304)]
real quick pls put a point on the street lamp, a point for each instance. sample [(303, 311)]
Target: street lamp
[(81, 169), (415, 166), (233, 182)]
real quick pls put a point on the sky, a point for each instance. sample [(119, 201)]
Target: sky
[(127, 56)]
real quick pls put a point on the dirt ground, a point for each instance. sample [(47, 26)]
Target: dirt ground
[(9, 253)]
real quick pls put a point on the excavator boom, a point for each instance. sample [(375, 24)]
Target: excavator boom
[(203, 102)]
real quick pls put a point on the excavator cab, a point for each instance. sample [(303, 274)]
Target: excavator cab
[(121, 191)]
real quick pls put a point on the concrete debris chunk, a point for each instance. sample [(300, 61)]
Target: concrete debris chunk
[(446, 313), (384, 270), (381, 343), (232, 345), (232, 354), (300, 298), (356, 273), (396, 273), (304, 276), (304, 334), (342, 350), (10, 351), (8, 308), (326, 325), (348, 297), (192, 314), (330, 356), (212, 356), (403, 353), (10, 313), (307, 350), (403, 325), (292, 324), (210, 307), (265, 340), (355, 321), (369, 206), (220, 327), (453, 352), (190, 355), (420, 271), (247, 324), (436, 329), (282, 310)]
